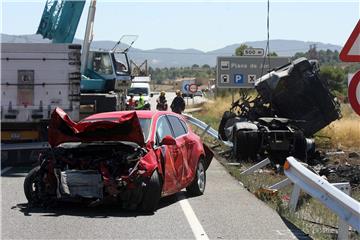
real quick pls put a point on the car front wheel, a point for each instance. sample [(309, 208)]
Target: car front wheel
[(197, 186), (152, 194)]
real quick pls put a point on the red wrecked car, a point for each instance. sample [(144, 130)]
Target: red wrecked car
[(133, 157)]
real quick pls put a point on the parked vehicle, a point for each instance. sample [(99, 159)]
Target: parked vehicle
[(35, 79), (138, 88), (106, 74), (198, 93), (134, 157)]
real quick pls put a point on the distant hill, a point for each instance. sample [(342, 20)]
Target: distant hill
[(168, 57)]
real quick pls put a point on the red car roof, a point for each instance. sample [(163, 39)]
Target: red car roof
[(140, 114), (119, 114)]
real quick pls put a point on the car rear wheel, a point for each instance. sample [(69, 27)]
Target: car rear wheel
[(32, 186), (197, 187), (152, 193)]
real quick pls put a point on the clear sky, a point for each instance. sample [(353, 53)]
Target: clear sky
[(204, 25)]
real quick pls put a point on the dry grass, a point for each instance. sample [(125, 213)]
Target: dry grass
[(343, 133)]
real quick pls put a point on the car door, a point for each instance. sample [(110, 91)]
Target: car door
[(183, 169), (169, 154)]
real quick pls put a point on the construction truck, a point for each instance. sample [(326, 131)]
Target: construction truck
[(106, 74), (36, 78)]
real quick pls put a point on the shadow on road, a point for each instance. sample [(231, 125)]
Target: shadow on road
[(298, 233), (17, 172), (82, 210)]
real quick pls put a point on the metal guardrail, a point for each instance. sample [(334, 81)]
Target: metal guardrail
[(345, 207), (334, 196), (206, 128)]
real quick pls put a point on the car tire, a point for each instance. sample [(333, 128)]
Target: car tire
[(241, 148), (31, 183), (151, 194), (223, 124), (197, 186)]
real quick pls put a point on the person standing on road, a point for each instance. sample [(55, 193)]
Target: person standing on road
[(178, 104), (140, 103), (161, 102), (131, 102)]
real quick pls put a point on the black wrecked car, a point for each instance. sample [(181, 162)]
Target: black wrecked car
[(292, 104)]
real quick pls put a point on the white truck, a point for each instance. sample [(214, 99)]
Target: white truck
[(36, 78), (140, 84)]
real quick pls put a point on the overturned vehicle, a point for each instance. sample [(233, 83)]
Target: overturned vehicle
[(292, 104), (132, 158)]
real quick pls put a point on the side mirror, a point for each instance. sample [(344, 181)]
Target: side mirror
[(168, 140), (151, 94)]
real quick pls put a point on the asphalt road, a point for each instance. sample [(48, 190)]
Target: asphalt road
[(170, 97), (225, 211)]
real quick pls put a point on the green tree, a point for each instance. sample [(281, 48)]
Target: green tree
[(195, 66), (336, 78), (272, 54), (240, 50)]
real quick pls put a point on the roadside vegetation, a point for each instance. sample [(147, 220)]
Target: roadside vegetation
[(311, 217), (342, 135)]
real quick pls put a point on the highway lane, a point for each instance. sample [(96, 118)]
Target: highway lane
[(225, 211)]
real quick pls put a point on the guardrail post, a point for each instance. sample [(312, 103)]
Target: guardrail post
[(319, 188), (257, 166), (281, 184), (294, 198), (343, 231)]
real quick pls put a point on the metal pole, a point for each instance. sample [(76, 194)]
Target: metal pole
[(294, 198), (232, 96), (88, 36), (257, 166)]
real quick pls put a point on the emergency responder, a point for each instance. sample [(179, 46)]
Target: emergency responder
[(178, 104), (131, 102), (161, 102), (140, 102)]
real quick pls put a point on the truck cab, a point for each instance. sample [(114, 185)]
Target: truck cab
[(106, 71)]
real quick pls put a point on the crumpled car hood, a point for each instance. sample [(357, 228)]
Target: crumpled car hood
[(62, 129)]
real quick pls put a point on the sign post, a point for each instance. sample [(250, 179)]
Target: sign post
[(241, 72)]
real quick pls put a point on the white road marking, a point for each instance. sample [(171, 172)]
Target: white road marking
[(3, 171), (193, 221)]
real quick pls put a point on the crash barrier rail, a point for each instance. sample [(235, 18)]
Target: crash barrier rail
[(334, 196), (207, 129)]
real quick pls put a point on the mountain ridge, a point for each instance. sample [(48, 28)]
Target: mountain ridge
[(169, 57)]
